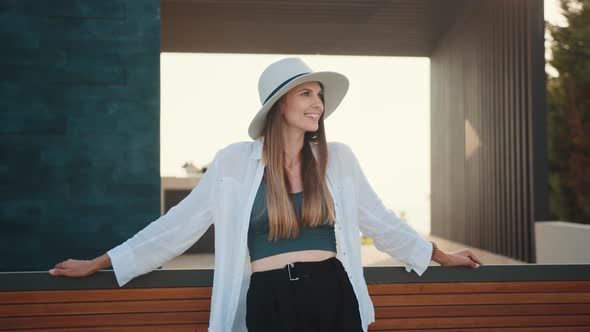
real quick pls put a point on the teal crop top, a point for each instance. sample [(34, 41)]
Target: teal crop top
[(319, 238)]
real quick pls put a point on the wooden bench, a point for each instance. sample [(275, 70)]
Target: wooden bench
[(526, 298)]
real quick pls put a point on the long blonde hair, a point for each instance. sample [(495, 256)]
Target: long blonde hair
[(318, 206)]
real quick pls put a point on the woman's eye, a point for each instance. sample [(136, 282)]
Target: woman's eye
[(306, 93)]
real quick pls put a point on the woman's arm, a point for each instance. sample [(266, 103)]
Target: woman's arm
[(165, 238), (81, 268), (463, 257), (391, 234)]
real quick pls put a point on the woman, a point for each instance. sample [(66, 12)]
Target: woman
[(288, 208)]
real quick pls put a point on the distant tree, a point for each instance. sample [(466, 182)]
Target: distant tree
[(568, 105)]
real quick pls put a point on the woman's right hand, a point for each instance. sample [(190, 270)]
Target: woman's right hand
[(80, 268)]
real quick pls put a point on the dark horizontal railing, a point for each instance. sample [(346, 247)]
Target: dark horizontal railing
[(41, 280)]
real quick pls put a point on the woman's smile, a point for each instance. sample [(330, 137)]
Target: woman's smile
[(305, 100)]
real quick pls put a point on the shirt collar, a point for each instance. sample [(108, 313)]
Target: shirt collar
[(257, 148)]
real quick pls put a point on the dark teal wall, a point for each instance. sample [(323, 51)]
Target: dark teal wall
[(79, 101)]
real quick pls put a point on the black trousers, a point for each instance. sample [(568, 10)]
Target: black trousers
[(303, 297)]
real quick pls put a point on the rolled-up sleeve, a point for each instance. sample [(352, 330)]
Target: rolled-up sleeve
[(168, 236), (390, 234)]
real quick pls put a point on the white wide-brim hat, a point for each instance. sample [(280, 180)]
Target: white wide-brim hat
[(283, 75)]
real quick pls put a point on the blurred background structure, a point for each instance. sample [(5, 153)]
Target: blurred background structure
[(80, 86)]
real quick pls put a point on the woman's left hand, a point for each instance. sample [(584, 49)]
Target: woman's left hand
[(463, 257)]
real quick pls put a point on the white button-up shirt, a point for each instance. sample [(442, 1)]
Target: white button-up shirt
[(224, 196)]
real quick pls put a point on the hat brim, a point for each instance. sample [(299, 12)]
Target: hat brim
[(335, 88)]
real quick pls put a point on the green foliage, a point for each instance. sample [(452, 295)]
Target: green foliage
[(568, 105)]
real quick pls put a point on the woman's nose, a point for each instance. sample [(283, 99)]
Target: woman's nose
[(318, 103)]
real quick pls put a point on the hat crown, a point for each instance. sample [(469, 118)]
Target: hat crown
[(278, 74)]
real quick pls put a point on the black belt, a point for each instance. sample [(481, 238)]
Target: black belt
[(293, 271)]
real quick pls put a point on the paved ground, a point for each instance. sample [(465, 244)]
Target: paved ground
[(370, 255)]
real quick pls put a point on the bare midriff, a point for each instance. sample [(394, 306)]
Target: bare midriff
[(279, 261)]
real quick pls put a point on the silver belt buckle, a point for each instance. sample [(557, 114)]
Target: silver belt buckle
[(289, 266)]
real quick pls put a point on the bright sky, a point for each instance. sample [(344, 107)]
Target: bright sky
[(553, 15), (553, 12), (208, 100)]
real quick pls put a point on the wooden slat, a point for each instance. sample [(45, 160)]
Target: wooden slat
[(484, 298), (557, 321), (13, 323), (461, 307), (482, 310), (106, 295), (483, 287), (161, 328), (89, 308), (501, 329)]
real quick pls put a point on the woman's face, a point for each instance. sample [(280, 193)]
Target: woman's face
[(303, 106)]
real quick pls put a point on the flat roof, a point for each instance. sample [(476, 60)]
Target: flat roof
[(359, 27)]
